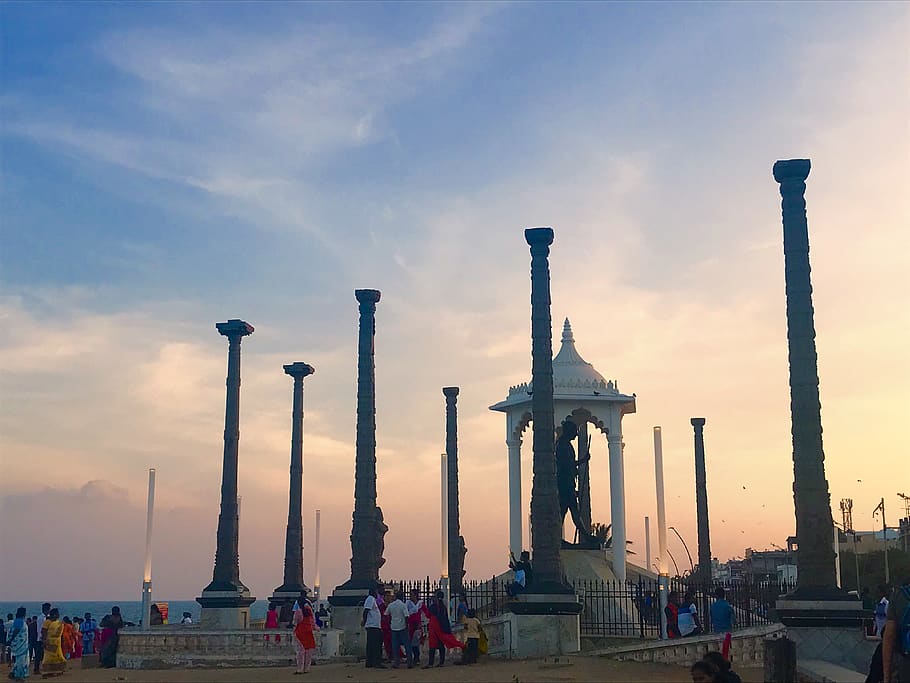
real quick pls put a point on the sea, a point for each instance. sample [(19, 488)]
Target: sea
[(129, 609)]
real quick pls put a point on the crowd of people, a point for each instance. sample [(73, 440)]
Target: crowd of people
[(402, 628), (44, 643)]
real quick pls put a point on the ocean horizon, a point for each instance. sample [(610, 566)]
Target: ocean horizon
[(129, 609)]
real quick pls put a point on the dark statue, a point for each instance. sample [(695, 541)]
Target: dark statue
[(566, 478)]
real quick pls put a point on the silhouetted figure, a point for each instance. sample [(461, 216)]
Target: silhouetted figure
[(566, 477)]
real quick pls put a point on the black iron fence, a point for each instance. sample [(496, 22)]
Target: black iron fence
[(612, 608), (630, 609)]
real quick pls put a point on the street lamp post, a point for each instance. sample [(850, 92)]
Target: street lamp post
[(691, 564)]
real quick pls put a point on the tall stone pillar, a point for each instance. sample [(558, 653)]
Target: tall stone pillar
[(584, 476), (545, 620), (816, 601), (293, 583), (544, 494), (368, 528), (456, 544), (701, 502), (516, 514), (226, 601)]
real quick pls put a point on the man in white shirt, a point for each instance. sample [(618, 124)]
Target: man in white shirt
[(372, 622), (398, 611)]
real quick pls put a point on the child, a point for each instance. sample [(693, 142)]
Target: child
[(472, 634)]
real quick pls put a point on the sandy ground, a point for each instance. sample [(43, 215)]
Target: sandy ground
[(495, 671)]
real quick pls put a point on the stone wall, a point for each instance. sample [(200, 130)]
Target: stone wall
[(168, 647), (747, 649)]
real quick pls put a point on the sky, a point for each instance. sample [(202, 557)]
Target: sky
[(167, 166)]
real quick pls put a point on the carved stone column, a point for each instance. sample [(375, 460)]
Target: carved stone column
[(457, 549), (225, 601), (701, 503), (293, 583), (547, 538)]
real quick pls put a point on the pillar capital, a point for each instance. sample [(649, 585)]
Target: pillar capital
[(299, 370), (450, 392), (367, 296), (234, 328), (791, 170), (539, 236), (697, 422)]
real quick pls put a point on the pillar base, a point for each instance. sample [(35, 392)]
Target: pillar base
[(795, 611), (225, 610), (285, 597), (533, 635), (347, 615)]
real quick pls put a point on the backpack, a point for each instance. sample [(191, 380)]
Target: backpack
[(903, 628)]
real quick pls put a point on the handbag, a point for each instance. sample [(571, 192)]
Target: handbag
[(483, 645)]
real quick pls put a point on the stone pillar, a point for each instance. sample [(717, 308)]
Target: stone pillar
[(293, 583), (456, 544), (816, 602), (701, 503), (515, 510), (544, 494), (226, 601), (617, 503), (368, 528), (584, 476)]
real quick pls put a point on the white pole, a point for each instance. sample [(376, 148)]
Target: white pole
[(664, 578), (647, 543), (316, 580), (444, 526), (147, 573), (837, 554)]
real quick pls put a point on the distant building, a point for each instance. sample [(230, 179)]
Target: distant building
[(873, 541)]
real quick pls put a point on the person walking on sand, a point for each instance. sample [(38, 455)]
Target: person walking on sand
[(53, 662), (304, 635), (440, 630), (397, 612), (372, 622), (17, 638)]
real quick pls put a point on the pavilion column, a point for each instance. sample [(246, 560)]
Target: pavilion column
[(617, 503), (515, 509), (457, 549), (701, 502), (225, 601), (293, 583), (584, 476)]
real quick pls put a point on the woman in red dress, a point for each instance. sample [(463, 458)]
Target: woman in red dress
[(440, 629)]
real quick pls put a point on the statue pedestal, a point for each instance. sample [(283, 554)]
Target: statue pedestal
[(225, 610), (542, 624), (347, 615), (827, 630)]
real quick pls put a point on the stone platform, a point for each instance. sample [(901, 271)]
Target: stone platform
[(182, 647), (524, 636)]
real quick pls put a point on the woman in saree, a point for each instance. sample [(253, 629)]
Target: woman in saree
[(17, 640), (54, 663), (440, 630), (68, 640), (304, 636), (110, 638)]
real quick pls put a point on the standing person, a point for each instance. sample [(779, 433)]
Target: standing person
[(110, 638), (39, 628), (415, 623), (440, 630), (77, 633), (155, 616), (304, 635), (17, 638), (372, 622), (722, 617), (472, 637), (187, 619), (89, 629), (53, 662), (896, 635), (881, 609), (385, 621), (32, 625), (672, 612), (68, 639), (397, 612), (271, 616)]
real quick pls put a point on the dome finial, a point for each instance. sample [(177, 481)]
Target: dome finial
[(567, 335)]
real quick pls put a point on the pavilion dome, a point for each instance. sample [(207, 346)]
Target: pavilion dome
[(571, 371)]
